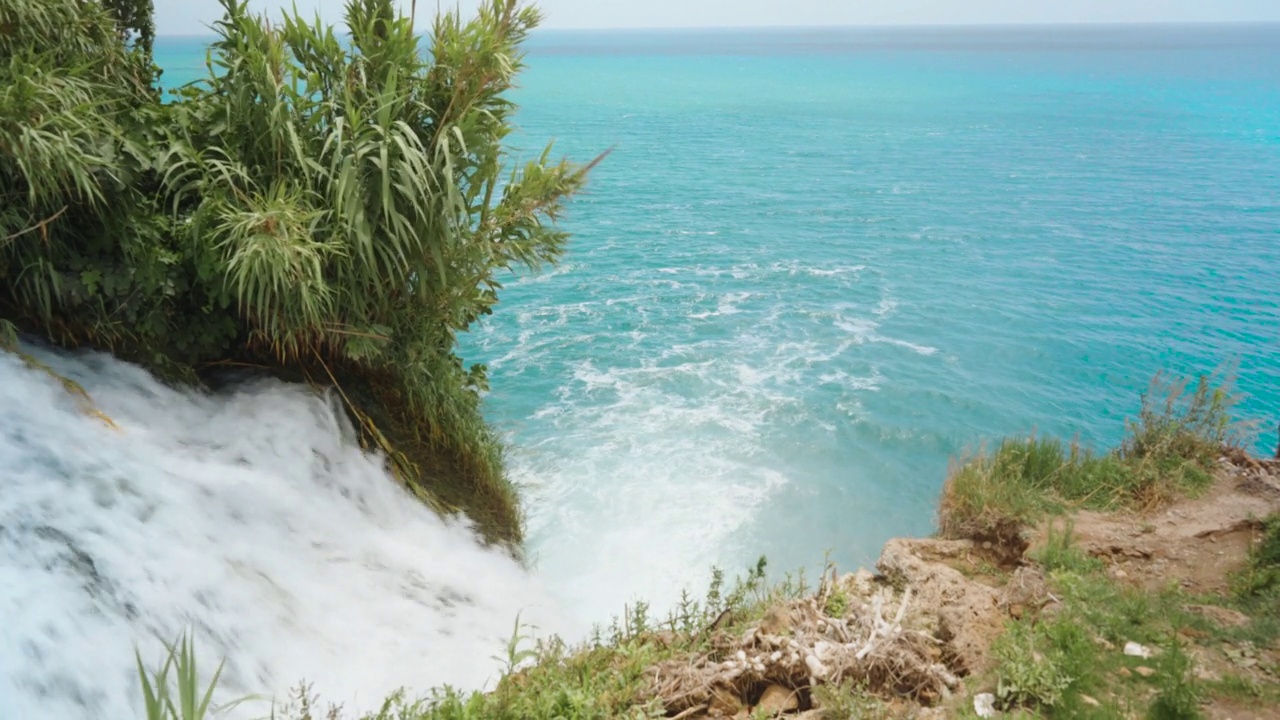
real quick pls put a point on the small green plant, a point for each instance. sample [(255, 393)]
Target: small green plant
[(1182, 428), (158, 695), (1060, 554), (848, 701), (515, 655), (1030, 672), (837, 603), (1260, 580), (1179, 698)]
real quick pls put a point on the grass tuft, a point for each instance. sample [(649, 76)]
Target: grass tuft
[(173, 691), (1169, 450), (1059, 554), (1179, 697)]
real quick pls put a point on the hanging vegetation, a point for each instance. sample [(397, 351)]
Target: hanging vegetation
[(335, 208)]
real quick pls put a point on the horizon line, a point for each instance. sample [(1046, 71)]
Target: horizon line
[(868, 26)]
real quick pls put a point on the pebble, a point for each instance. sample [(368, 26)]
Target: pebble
[(1133, 649), (984, 704)]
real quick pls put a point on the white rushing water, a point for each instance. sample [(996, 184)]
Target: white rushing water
[(250, 516)]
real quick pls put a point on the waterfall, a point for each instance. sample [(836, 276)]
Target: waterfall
[(250, 516)]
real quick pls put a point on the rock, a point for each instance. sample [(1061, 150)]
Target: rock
[(1125, 673), (1133, 649), (1205, 674), (777, 621), (777, 699), (1089, 700), (1221, 616), (1144, 671), (861, 584), (968, 613), (815, 667), (984, 704), (725, 702), (1027, 587)]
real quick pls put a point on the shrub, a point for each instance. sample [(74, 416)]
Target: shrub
[(335, 209), (1031, 672), (994, 495), (1178, 697), (1172, 445)]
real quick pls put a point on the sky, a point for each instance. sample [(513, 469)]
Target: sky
[(191, 17)]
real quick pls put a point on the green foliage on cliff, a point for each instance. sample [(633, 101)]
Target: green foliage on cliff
[(1181, 430), (336, 209), (1259, 582)]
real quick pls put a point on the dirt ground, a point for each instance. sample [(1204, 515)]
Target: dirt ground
[(1195, 542)]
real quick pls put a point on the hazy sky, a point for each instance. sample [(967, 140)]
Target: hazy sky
[(193, 16)]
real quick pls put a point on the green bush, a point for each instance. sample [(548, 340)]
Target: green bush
[(1032, 672), (330, 208)]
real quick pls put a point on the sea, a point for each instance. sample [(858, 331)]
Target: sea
[(817, 267)]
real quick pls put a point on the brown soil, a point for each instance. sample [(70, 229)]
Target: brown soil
[(1195, 543)]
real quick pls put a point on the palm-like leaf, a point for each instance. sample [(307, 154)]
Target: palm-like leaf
[(312, 200)]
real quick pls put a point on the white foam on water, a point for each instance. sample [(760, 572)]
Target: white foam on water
[(866, 331), (727, 304), (660, 447), (645, 477), (833, 272), (251, 517)]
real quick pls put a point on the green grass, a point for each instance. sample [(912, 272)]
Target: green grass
[(1169, 450), (1068, 662), (1060, 554), (1259, 582), (1052, 665), (174, 691)]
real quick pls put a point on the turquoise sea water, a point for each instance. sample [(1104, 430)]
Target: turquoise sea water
[(818, 264)]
